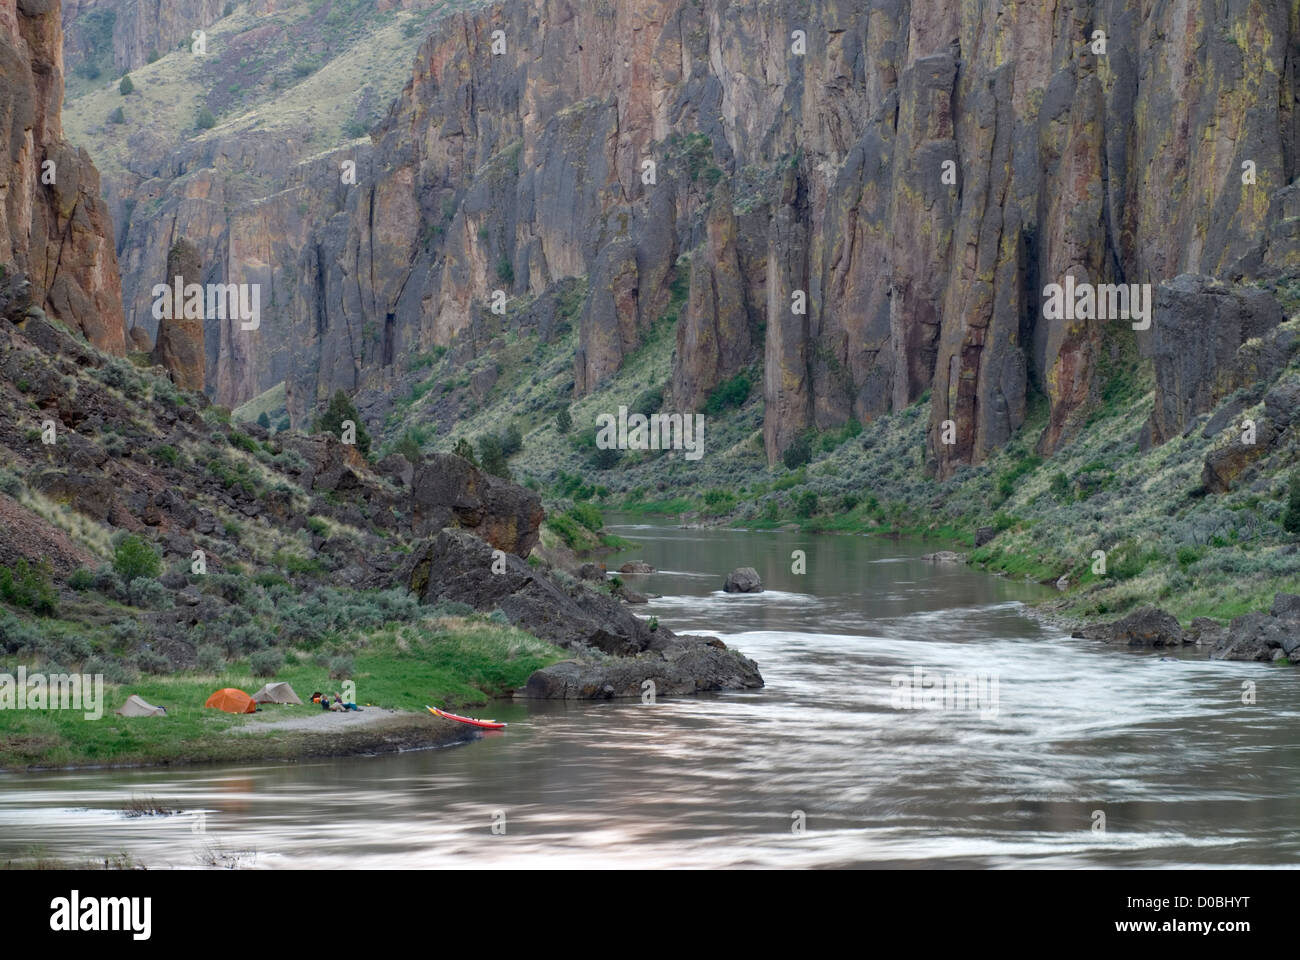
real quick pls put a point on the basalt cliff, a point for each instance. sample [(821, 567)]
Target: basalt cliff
[(865, 200), (56, 237)]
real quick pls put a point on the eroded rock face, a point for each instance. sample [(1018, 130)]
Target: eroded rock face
[(179, 347), (713, 335), (517, 171), (54, 227), (1197, 330)]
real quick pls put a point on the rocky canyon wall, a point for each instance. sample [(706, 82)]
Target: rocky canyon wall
[(867, 197), (55, 227)]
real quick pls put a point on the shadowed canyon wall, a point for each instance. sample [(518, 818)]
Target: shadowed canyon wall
[(919, 171), (55, 227)]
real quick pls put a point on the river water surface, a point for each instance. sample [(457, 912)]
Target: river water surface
[(823, 767)]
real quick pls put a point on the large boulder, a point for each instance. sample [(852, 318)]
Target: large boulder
[(332, 465), (743, 580), (447, 490), (687, 665), (1148, 627)]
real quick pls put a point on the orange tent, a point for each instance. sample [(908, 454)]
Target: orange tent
[(232, 701)]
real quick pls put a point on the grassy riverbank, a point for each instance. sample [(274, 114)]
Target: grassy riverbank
[(442, 660)]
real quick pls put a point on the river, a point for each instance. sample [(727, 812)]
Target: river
[(1078, 756)]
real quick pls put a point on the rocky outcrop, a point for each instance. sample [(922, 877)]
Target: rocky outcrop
[(1263, 636), (456, 566), (54, 227), (447, 490), (1227, 463), (685, 666), (179, 347), (1197, 331)]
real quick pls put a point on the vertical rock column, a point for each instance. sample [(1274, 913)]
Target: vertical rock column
[(180, 337)]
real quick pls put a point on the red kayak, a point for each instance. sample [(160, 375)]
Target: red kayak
[(487, 724)]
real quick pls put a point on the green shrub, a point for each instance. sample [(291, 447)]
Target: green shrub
[(205, 120), (126, 86), (133, 559), (266, 663), (799, 452), (150, 661), (81, 579), (243, 441), (492, 457), (729, 393), (1008, 478), (505, 271), (117, 116), (31, 586), (463, 448), (341, 667), (805, 504), (605, 459), (149, 594), (649, 402), (1291, 519), (512, 440), (10, 484), (1187, 556), (409, 446), (588, 516), (340, 409), (164, 453), (1060, 487)]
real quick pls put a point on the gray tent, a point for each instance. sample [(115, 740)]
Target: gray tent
[(276, 693), (136, 707)]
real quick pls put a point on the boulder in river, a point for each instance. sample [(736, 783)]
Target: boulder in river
[(743, 580), (636, 566), (1147, 627)]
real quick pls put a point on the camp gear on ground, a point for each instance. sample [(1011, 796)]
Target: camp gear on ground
[(232, 701)]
